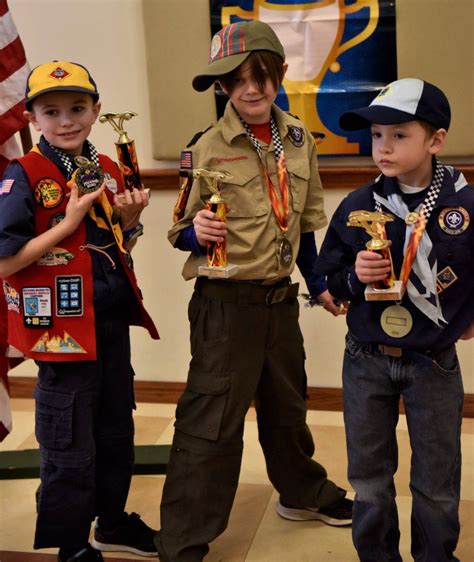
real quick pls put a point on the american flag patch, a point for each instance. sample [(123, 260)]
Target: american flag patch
[(186, 160), (5, 186)]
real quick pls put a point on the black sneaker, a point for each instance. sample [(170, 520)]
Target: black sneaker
[(337, 515), (87, 554), (133, 535)]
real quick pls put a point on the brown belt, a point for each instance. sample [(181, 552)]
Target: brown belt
[(247, 291)]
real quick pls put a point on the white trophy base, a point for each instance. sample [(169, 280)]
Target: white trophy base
[(395, 293), (217, 272)]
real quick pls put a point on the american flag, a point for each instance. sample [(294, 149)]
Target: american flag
[(14, 71)]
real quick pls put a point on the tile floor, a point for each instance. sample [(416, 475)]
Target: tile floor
[(255, 532)]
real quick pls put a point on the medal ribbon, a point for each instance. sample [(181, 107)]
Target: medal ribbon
[(279, 201), (418, 240)]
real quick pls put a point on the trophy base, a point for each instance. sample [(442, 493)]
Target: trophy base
[(217, 272), (395, 293)]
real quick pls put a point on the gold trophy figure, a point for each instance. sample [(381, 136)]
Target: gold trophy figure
[(373, 222), (217, 266), (127, 155)]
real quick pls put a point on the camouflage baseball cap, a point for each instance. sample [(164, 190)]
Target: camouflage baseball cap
[(232, 45)]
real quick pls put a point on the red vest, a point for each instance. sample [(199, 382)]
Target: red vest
[(50, 302)]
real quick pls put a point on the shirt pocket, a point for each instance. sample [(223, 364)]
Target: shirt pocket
[(245, 195), (299, 174)]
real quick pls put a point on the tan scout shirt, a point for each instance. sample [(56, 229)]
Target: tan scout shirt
[(253, 234)]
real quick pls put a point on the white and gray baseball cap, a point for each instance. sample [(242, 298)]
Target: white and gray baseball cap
[(401, 101)]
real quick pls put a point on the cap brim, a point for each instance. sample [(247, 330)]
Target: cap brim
[(220, 67), (365, 116), (63, 89)]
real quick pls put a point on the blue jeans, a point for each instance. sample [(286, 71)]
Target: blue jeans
[(433, 395)]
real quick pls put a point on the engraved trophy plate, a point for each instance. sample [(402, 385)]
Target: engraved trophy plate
[(87, 176), (217, 266)]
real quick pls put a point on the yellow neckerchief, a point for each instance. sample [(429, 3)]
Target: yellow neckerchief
[(108, 210)]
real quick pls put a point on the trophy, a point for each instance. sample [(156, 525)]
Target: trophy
[(374, 224), (126, 153), (217, 266), (87, 176)]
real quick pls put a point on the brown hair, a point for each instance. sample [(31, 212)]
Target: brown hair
[(263, 65)]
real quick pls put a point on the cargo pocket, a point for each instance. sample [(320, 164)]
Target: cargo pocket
[(201, 407), (53, 418)]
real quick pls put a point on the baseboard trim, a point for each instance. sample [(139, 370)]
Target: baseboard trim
[(319, 398)]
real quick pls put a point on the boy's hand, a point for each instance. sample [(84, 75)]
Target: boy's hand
[(208, 227), (78, 206), (469, 333), (326, 300), (131, 204), (371, 266)]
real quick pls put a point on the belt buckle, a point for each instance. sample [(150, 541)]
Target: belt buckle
[(276, 295), (390, 350)]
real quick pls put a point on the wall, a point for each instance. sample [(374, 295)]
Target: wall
[(108, 37)]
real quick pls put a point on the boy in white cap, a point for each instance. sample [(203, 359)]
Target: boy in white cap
[(246, 342), (72, 294), (405, 348)]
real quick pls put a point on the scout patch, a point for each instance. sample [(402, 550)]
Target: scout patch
[(12, 297), (186, 161), (296, 135), (5, 186), (445, 278), (48, 193), (37, 307), (69, 295), (55, 256), (55, 219), (454, 220), (56, 344)]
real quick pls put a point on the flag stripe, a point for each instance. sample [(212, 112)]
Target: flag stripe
[(12, 121), (12, 89), (12, 58), (3, 7), (8, 30)]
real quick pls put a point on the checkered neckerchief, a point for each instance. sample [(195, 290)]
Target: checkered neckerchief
[(68, 161)]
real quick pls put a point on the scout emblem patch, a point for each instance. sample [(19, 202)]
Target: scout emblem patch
[(445, 278), (296, 135), (69, 295), (48, 193), (37, 307), (55, 256), (12, 297), (55, 219), (56, 344), (454, 220)]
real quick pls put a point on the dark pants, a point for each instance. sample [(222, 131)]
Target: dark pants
[(433, 397), (242, 349), (84, 426)]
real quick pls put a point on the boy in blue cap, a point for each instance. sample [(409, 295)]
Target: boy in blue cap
[(72, 294), (405, 348)]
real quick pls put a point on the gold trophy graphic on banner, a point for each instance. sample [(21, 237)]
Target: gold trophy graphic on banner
[(374, 224), (311, 34), (217, 266), (127, 155)]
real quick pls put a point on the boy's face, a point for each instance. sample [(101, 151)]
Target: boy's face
[(404, 151), (252, 104), (64, 118)]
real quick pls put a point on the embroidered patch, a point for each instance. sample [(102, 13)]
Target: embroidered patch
[(48, 193), (12, 297), (69, 295), (60, 73), (186, 161), (230, 159), (454, 220), (55, 256), (445, 278), (296, 135), (37, 307), (56, 344), (5, 186), (55, 219)]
